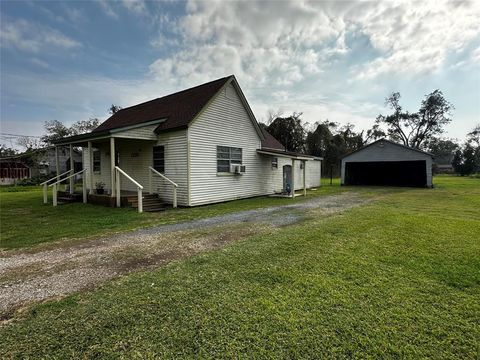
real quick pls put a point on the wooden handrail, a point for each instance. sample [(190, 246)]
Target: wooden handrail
[(55, 184), (56, 177), (162, 176), (155, 172), (139, 188), (68, 177), (128, 177)]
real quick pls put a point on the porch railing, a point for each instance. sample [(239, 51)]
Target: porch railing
[(45, 184), (153, 172), (84, 186), (119, 172)]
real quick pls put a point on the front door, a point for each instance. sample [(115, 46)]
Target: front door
[(287, 178)]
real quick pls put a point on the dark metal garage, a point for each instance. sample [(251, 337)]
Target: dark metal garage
[(386, 163)]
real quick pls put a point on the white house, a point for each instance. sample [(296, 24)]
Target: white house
[(201, 145)]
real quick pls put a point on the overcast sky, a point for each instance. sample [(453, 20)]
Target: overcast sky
[(330, 60)]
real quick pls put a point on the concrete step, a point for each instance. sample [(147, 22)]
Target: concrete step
[(144, 197), (145, 201)]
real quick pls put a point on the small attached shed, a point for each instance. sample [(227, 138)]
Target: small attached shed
[(384, 162)]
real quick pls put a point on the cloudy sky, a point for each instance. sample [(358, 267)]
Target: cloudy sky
[(333, 60)]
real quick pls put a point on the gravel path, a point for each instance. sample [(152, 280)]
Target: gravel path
[(26, 277)]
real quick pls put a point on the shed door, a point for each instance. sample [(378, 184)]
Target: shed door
[(287, 178), (393, 173)]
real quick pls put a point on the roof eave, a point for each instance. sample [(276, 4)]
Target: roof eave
[(287, 154), (391, 142)]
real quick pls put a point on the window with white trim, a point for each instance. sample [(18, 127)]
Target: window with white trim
[(227, 156), (97, 165)]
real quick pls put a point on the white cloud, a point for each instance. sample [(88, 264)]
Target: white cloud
[(289, 41), (475, 57), (74, 15), (31, 37), (416, 37), (108, 9), (39, 63), (137, 6)]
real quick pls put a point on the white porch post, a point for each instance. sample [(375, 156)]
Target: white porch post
[(84, 187), (150, 182), (57, 162), (304, 178), (119, 203), (90, 166), (112, 167), (72, 170), (45, 193), (293, 178)]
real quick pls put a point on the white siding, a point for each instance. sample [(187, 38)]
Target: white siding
[(274, 177), (135, 158), (175, 166), (104, 175), (144, 133), (313, 172), (224, 122)]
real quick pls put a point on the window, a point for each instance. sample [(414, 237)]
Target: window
[(275, 163), (227, 156), (96, 161), (159, 158)]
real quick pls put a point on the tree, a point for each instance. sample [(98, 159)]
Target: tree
[(416, 129), (7, 151), (443, 150), (289, 131), (351, 139), (84, 126), (332, 142), (374, 134), (57, 130), (473, 139), (113, 109), (318, 140), (29, 142), (464, 161), (474, 136)]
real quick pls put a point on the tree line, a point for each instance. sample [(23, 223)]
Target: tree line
[(422, 130)]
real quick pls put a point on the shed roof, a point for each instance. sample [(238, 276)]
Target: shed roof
[(270, 142), (390, 142)]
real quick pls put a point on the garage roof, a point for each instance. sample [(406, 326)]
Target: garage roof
[(390, 142)]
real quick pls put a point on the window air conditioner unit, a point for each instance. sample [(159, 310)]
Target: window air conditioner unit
[(237, 169)]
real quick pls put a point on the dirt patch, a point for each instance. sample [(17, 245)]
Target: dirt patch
[(27, 276)]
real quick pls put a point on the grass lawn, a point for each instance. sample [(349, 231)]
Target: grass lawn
[(25, 221), (397, 278)]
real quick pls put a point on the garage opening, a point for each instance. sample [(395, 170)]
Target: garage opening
[(392, 173)]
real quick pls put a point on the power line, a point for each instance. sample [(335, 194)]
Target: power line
[(18, 135)]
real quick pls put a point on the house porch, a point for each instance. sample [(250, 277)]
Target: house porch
[(115, 169)]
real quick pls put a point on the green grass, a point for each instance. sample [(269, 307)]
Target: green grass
[(397, 278), (25, 221)]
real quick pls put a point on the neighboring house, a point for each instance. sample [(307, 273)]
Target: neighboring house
[(204, 139), (38, 162), (384, 162), (12, 171)]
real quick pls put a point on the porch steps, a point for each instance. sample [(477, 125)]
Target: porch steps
[(66, 198), (151, 203)]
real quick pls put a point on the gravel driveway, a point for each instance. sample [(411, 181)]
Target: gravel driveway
[(27, 276)]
